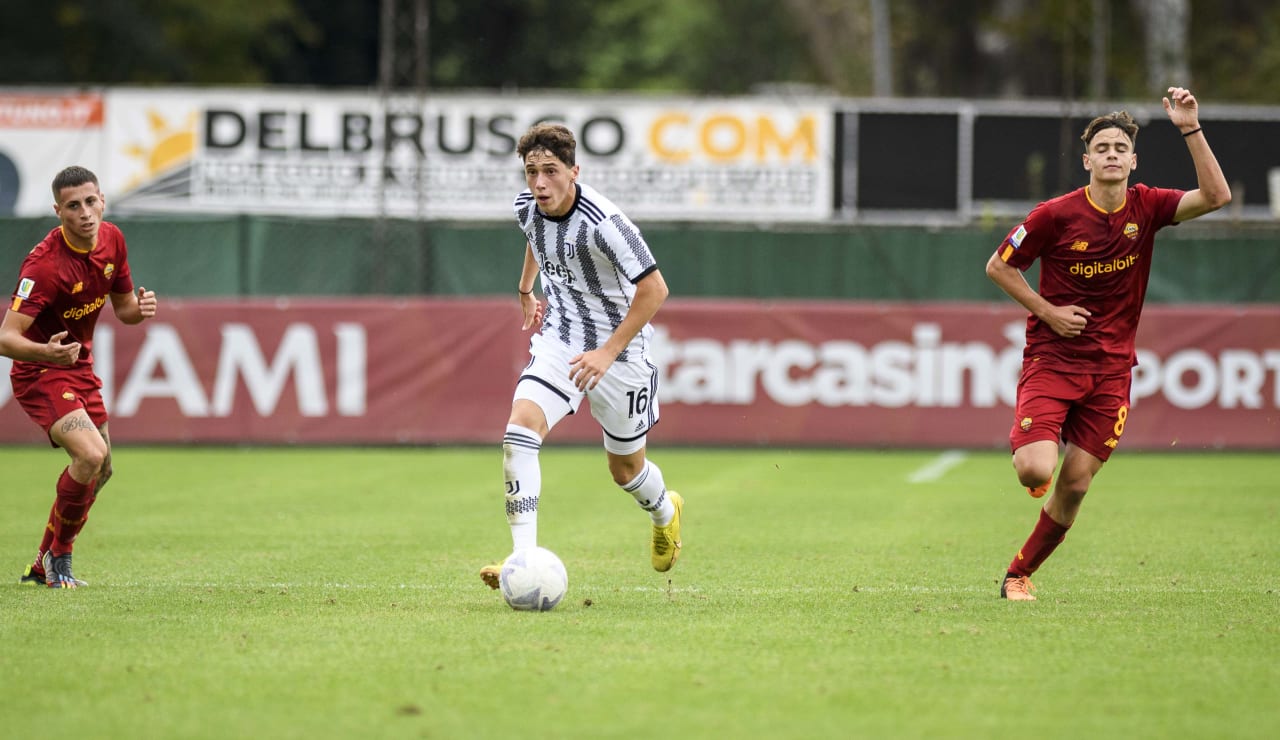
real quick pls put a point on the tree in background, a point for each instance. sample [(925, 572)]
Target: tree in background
[(148, 41), (722, 46), (1072, 49), (1235, 52)]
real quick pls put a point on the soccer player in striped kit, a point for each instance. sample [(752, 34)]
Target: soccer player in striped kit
[(1095, 246), (602, 287)]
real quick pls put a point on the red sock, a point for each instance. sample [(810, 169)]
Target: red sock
[(1044, 539), (70, 511), (46, 541)]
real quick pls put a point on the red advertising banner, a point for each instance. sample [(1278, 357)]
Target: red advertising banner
[(39, 134), (34, 111), (440, 371)]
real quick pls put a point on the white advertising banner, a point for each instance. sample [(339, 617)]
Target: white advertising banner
[(453, 156), (40, 133)]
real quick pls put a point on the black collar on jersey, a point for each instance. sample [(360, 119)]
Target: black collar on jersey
[(577, 196)]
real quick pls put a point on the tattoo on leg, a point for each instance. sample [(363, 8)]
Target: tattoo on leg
[(77, 422)]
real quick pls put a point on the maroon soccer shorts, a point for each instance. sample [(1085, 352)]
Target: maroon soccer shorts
[(1089, 411), (55, 393)]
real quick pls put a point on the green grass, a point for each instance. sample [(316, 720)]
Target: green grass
[(332, 593)]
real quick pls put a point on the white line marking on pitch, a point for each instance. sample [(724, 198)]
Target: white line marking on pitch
[(937, 467)]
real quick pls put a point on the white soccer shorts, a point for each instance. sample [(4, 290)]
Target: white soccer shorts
[(624, 402)]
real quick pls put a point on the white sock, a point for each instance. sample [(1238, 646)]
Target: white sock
[(650, 491), (523, 477)]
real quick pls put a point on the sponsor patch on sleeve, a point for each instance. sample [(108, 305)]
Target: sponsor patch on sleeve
[(1018, 235), (24, 287)]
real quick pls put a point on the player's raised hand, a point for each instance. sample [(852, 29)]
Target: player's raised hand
[(62, 354), (1067, 321), (532, 309), (1182, 109), (147, 303)]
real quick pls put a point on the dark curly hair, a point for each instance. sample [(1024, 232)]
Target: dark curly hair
[(554, 138)]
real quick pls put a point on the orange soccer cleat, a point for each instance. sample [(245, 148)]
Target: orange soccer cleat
[(1017, 588)]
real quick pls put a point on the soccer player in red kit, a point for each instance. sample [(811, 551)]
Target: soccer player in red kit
[(48, 332), (1095, 246)]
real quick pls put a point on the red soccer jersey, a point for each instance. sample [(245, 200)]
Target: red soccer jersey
[(65, 289), (1096, 260)]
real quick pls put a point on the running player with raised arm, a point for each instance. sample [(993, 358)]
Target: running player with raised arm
[(1095, 247), (602, 287)]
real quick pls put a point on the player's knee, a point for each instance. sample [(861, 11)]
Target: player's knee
[(90, 461), (1033, 473), (1035, 462), (1073, 487)]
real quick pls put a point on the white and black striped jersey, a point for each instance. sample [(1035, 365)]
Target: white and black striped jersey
[(589, 261)]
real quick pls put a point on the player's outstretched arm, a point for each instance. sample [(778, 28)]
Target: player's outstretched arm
[(1212, 191)]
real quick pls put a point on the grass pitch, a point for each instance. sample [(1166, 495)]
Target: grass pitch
[(332, 593)]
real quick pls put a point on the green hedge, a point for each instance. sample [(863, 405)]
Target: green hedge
[(262, 255)]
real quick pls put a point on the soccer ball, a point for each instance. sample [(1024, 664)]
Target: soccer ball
[(533, 579)]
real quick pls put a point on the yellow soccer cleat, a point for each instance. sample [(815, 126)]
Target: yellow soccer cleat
[(32, 577), (665, 548), (490, 574)]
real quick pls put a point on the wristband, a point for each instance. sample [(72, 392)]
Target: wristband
[(1195, 130), (522, 292)]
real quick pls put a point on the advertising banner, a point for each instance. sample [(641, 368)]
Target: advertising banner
[(440, 371), (454, 156), (39, 135)]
